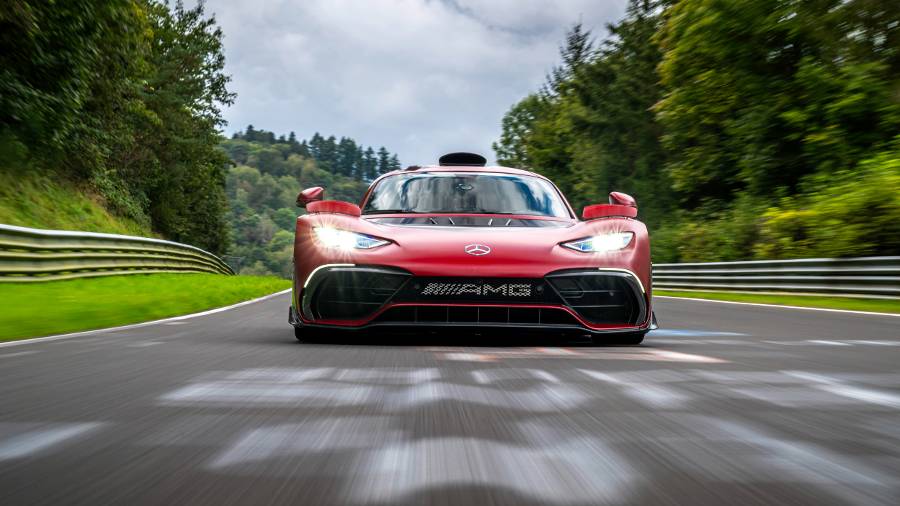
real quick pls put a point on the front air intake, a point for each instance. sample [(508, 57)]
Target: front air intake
[(601, 297), (350, 293)]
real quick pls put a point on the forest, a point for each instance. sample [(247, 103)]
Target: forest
[(121, 100), (266, 175), (116, 106), (746, 129)]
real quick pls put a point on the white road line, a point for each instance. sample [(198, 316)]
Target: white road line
[(677, 356), (649, 394), (777, 306), (544, 375), (583, 471), (838, 387), (18, 354), (39, 439), (488, 376), (139, 325), (602, 376)]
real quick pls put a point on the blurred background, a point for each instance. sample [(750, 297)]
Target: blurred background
[(168, 141), (759, 129)]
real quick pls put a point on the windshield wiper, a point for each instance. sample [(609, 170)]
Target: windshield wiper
[(482, 211), (392, 211)]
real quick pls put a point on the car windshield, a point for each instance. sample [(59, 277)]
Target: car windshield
[(462, 192)]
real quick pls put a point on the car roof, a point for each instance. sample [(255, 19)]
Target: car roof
[(496, 169)]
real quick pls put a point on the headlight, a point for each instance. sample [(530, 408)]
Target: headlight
[(346, 240), (601, 243)]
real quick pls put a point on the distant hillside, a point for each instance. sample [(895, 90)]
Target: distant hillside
[(267, 175)]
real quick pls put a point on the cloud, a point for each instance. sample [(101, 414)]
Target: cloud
[(421, 77)]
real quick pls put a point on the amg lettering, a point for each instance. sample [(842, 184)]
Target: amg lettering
[(489, 290), (486, 289), (470, 289)]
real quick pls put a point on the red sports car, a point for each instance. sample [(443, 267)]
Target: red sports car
[(472, 247)]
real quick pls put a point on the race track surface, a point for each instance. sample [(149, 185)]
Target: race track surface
[(725, 404)]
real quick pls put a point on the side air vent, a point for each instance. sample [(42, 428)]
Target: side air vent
[(462, 159)]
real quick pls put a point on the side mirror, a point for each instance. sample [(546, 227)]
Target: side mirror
[(622, 199), (310, 195)]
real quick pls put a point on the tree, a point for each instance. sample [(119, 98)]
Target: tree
[(345, 158), (516, 127), (384, 161), (576, 52), (763, 93), (53, 55), (617, 136), (394, 163), (185, 93), (369, 165)]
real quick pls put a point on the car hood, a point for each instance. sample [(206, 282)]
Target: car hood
[(447, 250)]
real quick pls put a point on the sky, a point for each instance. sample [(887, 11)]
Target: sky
[(420, 77)]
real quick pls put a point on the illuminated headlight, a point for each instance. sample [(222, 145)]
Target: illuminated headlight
[(601, 243), (346, 240)]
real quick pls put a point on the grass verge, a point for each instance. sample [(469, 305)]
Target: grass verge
[(31, 200), (57, 307), (848, 303)]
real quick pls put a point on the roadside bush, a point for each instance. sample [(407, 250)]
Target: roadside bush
[(709, 234), (845, 214)]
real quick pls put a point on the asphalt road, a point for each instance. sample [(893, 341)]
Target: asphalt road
[(725, 404)]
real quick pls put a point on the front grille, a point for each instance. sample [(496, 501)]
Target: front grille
[(601, 297), (477, 290), (477, 315), (356, 292)]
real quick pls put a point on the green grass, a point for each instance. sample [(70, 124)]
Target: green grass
[(36, 201), (850, 303), (55, 307)]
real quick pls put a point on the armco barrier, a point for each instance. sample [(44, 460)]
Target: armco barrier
[(867, 276), (28, 254)]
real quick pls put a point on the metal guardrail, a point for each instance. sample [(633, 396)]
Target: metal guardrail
[(866, 276), (28, 254)]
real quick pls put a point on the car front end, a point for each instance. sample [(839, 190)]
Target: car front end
[(471, 266)]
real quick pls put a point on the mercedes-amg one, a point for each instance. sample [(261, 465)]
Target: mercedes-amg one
[(465, 246)]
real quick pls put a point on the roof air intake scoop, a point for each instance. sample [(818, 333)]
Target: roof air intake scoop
[(460, 159)]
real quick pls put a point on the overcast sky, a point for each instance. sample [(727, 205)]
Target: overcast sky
[(421, 77)]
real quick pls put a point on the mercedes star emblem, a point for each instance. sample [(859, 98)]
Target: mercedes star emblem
[(477, 249)]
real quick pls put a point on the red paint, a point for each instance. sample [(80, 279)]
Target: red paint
[(525, 252), (607, 210), (333, 207)]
